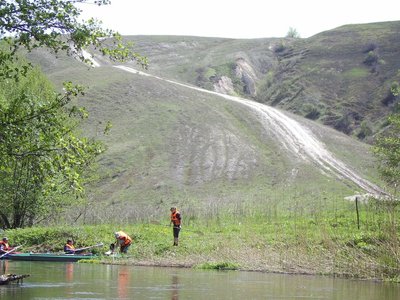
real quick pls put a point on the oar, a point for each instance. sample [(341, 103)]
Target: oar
[(12, 250), (85, 248)]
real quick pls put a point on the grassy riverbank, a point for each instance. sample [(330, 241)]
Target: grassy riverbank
[(334, 243)]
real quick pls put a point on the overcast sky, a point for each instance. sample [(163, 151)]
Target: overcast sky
[(239, 18)]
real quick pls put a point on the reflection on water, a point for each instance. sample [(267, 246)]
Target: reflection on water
[(51, 280), (4, 266), (123, 282), (175, 287), (69, 272)]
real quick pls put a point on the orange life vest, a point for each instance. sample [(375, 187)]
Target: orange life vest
[(4, 246), (175, 219), (69, 247), (124, 238)]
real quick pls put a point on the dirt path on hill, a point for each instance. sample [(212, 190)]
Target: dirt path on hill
[(296, 138)]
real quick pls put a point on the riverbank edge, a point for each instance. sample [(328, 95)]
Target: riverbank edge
[(307, 246), (268, 271)]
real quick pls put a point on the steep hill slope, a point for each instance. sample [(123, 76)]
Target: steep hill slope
[(177, 144), (340, 77)]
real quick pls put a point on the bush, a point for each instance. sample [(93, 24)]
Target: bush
[(312, 113), (371, 59), (365, 131), (279, 48), (370, 47)]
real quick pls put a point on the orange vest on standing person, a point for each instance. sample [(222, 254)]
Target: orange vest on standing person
[(174, 218), (126, 239)]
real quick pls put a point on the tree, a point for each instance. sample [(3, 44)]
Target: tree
[(42, 156), (54, 24), (387, 148), (292, 33)]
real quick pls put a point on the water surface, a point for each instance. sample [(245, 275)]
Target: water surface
[(52, 280)]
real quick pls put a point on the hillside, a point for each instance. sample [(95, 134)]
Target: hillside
[(174, 145), (340, 78)]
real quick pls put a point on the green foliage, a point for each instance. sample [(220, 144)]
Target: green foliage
[(292, 33), (41, 156), (387, 150), (372, 58), (311, 112), (43, 239), (55, 25), (218, 266), (395, 88), (364, 131), (280, 47), (355, 73), (253, 239)]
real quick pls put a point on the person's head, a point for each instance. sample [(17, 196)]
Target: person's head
[(69, 241), (116, 234), (5, 239), (173, 209)]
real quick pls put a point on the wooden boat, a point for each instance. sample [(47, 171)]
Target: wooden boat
[(48, 257)]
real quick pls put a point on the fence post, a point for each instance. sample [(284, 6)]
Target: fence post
[(358, 215)]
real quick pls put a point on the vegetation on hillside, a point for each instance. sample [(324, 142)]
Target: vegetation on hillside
[(341, 78), (172, 145), (387, 149), (247, 202)]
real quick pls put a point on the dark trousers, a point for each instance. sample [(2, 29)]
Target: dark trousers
[(176, 230)]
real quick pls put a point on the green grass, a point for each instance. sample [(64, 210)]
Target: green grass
[(218, 266), (356, 73), (273, 212), (171, 145), (251, 239)]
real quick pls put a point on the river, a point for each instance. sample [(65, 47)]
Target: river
[(52, 280)]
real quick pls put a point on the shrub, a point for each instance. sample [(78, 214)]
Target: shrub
[(370, 47), (371, 59), (279, 48), (312, 113)]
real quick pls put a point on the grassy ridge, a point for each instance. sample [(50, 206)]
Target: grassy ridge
[(326, 241), (326, 77), (170, 145)]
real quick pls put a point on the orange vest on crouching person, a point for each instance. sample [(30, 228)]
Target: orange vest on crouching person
[(174, 218), (124, 239)]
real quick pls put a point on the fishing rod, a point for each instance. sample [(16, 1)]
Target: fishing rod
[(85, 248)]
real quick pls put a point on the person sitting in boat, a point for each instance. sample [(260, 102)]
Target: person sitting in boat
[(69, 248), (123, 241), (5, 246)]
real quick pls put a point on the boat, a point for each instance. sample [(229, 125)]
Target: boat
[(49, 257)]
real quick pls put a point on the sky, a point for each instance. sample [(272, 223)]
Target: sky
[(238, 18)]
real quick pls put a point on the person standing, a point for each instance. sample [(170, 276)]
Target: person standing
[(123, 241), (176, 221)]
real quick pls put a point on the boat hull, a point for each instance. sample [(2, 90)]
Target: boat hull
[(47, 257)]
